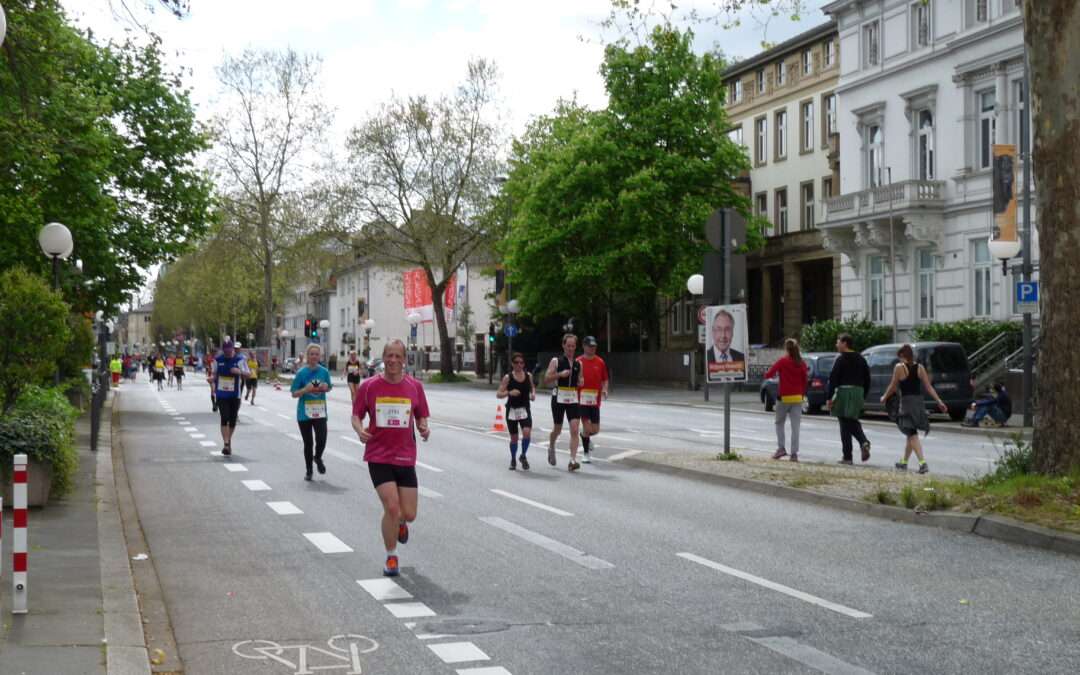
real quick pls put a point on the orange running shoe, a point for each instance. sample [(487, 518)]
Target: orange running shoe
[(391, 569)]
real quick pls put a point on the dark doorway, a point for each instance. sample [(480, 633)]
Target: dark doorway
[(817, 290), (754, 306), (776, 311)]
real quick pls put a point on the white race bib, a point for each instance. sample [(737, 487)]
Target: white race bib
[(227, 383), (353, 368), (392, 412), (566, 395), (517, 414), (315, 410), (589, 397)]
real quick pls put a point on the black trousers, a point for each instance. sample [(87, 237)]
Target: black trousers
[(319, 428), (850, 427)]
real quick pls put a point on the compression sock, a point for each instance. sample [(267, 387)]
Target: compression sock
[(585, 441), (513, 449), (525, 445)]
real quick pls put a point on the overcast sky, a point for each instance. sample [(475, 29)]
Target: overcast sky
[(371, 49)]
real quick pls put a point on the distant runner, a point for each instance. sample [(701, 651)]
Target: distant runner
[(170, 363), (309, 387), (253, 375), (178, 371), (352, 374), (228, 369), (396, 408), (159, 371), (592, 389), (518, 387), (565, 373)]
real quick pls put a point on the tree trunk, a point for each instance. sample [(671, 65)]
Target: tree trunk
[(1052, 31), (268, 284), (446, 346)]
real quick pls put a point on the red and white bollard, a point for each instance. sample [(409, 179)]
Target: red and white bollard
[(18, 548)]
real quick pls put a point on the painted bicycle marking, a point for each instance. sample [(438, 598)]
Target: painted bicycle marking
[(343, 654)]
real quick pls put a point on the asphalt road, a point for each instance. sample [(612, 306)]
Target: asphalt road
[(611, 570)]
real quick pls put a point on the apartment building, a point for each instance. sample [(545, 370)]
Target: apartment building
[(926, 89)]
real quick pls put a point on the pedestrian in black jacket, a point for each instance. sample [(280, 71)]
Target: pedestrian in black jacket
[(848, 383)]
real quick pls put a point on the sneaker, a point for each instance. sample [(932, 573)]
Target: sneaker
[(924, 468), (573, 466), (391, 568), (902, 466), (586, 458), (524, 463), (551, 453), (848, 462), (865, 447), (319, 465), (213, 407), (513, 464), (794, 458), (780, 453), (403, 533), (227, 450)]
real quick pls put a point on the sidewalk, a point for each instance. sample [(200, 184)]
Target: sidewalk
[(83, 614)]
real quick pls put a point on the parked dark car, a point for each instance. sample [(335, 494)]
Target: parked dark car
[(290, 365), (819, 365), (945, 362)]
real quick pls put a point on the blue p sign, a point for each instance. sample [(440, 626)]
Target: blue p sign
[(1027, 292)]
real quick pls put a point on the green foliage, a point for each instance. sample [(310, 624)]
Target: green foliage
[(79, 351), (609, 206), (729, 456), (102, 139), (41, 425), (907, 497), (1017, 458), (34, 332), (820, 336), (971, 333), (883, 496)]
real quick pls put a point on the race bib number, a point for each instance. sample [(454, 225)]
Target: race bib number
[(353, 369), (392, 413), (590, 397), (566, 395), (517, 414), (227, 383), (315, 410)]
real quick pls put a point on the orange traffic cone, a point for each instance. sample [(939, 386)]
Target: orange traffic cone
[(498, 424)]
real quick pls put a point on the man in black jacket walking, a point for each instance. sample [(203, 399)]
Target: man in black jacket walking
[(848, 383)]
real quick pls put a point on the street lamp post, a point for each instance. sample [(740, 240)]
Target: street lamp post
[(511, 309), (696, 286), (324, 326), (413, 318), (55, 241), (369, 325)]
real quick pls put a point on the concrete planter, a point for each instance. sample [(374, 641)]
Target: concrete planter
[(38, 485)]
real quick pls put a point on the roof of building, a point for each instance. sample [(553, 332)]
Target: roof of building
[(799, 40)]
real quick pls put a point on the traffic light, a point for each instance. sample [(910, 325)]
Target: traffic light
[(315, 329), (491, 333), (307, 328)]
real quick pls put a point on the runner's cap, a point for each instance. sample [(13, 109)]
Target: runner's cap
[(228, 344), (589, 341)]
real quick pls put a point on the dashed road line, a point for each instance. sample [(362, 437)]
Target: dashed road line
[(429, 467), (566, 551), (458, 652), (191, 429), (235, 468), (524, 500), (208, 444), (489, 670), (428, 492), (384, 589), (284, 508), (409, 610), (797, 651), (327, 542), (284, 417), (352, 440), (623, 455), (255, 485), (197, 436), (780, 588)]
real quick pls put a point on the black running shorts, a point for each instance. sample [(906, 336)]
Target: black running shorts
[(404, 476), (570, 410), (590, 413), (229, 408)]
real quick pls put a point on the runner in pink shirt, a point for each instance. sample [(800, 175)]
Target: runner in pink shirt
[(396, 409)]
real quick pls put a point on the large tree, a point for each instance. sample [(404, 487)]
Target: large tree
[(610, 205), (102, 138), (267, 139), (422, 173)]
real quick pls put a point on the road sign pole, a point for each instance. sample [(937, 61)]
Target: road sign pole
[(727, 301)]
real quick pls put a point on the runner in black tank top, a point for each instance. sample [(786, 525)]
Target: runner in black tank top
[(519, 393), (564, 372)]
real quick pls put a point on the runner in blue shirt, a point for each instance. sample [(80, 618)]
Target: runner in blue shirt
[(310, 386), (228, 368)]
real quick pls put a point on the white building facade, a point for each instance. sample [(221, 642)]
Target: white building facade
[(926, 89)]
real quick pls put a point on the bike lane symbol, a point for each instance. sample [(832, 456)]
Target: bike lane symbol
[(343, 654)]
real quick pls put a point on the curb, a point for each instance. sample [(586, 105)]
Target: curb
[(989, 526), (126, 644)]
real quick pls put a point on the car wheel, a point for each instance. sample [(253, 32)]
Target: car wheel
[(770, 403), (957, 414)]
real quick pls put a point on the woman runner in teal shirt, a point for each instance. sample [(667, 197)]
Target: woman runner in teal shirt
[(310, 386)]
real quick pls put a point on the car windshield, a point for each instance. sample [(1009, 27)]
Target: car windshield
[(824, 364)]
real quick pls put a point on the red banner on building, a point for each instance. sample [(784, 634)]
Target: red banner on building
[(417, 294)]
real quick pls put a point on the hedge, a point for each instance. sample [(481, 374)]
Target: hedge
[(820, 336), (971, 333), (41, 425)]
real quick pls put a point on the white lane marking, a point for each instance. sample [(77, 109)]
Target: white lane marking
[(208, 444), (181, 421), (807, 655), (197, 436), (264, 422), (284, 508), (255, 485), (350, 439), (191, 429), (603, 435), (235, 468), (490, 670), (623, 455), (432, 636), (327, 542), (428, 492), (429, 467), (295, 437), (384, 589), (262, 408), (780, 588), (458, 652), (343, 457), (523, 500), (409, 610), (284, 417), (568, 552)]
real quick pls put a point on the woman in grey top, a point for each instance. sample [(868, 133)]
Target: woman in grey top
[(911, 378)]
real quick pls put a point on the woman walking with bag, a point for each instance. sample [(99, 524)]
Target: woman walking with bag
[(907, 377), (790, 394)]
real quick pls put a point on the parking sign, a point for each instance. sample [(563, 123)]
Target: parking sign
[(1027, 297)]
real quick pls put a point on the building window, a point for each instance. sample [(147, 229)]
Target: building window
[(761, 205), (688, 316), (876, 296), (982, 10), (829, 103), (983, 268), (781, 74), (781, 134), (871, 44), (807, 191), (826, 187), (735, 135), (926, 285), (874, 143), (735, 91), (920, 30), (781, 211), (807, 62), (807, 140), (987, 128), (761, 132), (926, 145), (830, 52), (676, 318), (761, 81)]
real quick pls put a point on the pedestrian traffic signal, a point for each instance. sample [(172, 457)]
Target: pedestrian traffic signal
[(314, 329), (491, 333), (307, 327)]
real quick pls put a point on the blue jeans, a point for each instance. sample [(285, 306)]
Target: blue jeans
[(991, 409)]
